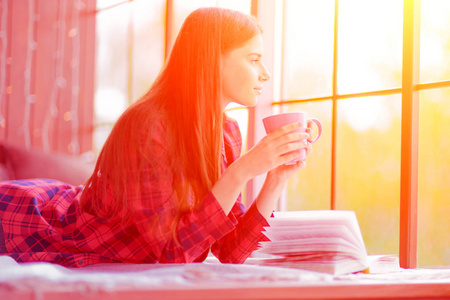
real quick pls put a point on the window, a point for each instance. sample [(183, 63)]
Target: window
[(343, 62), (130, 53)]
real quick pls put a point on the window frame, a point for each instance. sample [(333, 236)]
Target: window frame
[(409, 92)]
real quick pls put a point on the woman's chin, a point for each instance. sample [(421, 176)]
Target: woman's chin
[(250, 103)]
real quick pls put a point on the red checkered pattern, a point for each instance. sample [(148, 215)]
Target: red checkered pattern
[(42, 221)]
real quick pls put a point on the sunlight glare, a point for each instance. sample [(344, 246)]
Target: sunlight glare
[(363, 115), (433, 47)]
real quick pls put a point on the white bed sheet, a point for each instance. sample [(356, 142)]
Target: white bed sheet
[(39, 280)]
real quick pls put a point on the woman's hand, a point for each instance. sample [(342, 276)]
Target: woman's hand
[(274, 150), (269, 155), (284, 172)]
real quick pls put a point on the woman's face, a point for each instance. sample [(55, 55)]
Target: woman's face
[(243, 73)]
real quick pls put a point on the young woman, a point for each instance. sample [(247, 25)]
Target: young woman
[(166, 187)]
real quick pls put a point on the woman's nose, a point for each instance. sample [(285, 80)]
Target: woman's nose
[(265, 75)]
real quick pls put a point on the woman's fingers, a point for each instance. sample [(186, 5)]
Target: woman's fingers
[(289, 141), (285, 129), (288, 134), (309, 149), (296, 146)]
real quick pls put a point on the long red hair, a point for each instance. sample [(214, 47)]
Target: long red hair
[(186, 96)]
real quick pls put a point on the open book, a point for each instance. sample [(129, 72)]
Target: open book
[(322, 240)]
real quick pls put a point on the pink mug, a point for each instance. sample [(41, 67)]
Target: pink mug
[(273, 122)]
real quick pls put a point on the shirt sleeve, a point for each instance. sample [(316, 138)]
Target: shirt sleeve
[(237, 246), (239, 243)]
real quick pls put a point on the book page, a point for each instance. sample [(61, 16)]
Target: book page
[(320, 217), (309, 231)]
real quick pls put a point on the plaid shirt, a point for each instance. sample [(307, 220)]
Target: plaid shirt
[(42, 221)]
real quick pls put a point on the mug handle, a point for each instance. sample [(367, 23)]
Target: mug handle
[(319, 126)]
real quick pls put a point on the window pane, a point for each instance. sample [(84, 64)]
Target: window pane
[(370, 45), (112, 30), (148, 43), (435, 40), (368, 167), (310, 188), (241, 116), (308, 48), (434, 178)]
